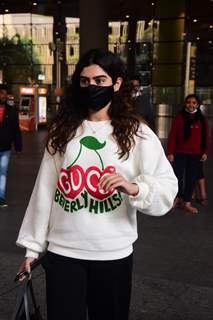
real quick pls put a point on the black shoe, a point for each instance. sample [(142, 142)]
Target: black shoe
[(3, 203)]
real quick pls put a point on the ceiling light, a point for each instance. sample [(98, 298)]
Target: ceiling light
[(194, 20), (127, 16), (34, 3), (153, 3), (210, 42), (198, 38), (211, 26), (6, 10)]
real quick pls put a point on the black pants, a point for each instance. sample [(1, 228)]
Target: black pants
[(200, 173), (77, 287), (186, 167)]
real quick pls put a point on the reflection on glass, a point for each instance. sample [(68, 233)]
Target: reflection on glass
[(72, 25), (72, 43), (169, 52), (167, 95), (163, 125), (17, 18), (72, 53), (24, 42), (145, 31), (43, 53), (71, 69), (117, 39), (45, 70)]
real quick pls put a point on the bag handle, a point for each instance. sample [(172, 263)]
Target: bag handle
[(19, 308), (31, 290), (26, 291), (23, 303), (26, 301)]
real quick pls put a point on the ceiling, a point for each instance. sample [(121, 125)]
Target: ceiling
[(199, 14)]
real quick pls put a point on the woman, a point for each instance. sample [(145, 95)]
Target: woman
[(188, 145), (100, 166)]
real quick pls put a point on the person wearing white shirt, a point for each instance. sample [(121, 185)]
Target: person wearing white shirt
[(101, 165)]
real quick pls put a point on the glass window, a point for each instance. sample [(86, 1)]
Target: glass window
[(169, 52), (118, 32), (144, 32), (17, 18), (73, 30), (167, 95), (45, 71), (24, 44), (71, 69), (42, 54), (168, 30), (72, 53), (162, 75), (42, 33), (22, 31), (22, 74)]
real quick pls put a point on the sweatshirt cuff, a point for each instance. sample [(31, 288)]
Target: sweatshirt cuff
[(142, 193), (146, 192), (31, 254)]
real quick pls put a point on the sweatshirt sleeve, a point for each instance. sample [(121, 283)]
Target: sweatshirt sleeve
[(157, 182), (34, 228)]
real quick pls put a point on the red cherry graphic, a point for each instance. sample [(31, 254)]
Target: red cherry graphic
[(71, 182), (92, 177)]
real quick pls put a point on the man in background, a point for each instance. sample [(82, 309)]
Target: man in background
[(10, 134), (142, 101)]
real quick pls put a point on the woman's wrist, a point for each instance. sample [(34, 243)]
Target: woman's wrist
[(134, 190)]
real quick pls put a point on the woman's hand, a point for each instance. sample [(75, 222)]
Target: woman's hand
[(170, 157), (204, 157), (26, 267), (114, 181)]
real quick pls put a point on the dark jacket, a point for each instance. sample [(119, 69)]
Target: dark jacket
[(10, 133), (145, 109)]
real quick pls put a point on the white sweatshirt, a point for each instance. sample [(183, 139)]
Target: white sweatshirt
[(69, 215)]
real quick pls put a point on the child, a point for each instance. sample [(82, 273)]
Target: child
[(100, 166), (188, 144)]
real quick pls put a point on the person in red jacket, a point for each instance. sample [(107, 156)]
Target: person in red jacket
[(188, 144)]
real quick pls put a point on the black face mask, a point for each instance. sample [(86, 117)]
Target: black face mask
[(95, 97)]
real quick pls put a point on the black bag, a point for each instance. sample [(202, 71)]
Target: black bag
[(27, 308)]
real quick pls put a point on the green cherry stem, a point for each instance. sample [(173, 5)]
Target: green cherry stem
[(75, 158), (102, 165)]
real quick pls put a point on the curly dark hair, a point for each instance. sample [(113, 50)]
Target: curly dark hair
[(122, 112)]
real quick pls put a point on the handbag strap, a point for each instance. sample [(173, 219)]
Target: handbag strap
[(26, 302), (23, 302), (19, 304), (26, 293), (32, 295)]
